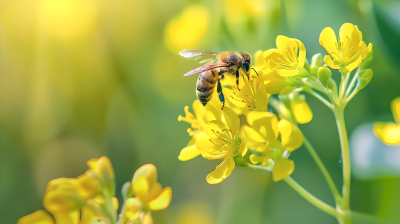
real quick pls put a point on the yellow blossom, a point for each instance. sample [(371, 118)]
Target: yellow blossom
[(273, 139), (300, 108), (220, 142), (389, 132), (289, 58), (148, 191), (102, 170), (350, 51), (252, 95), (185, 31), (203, 114)]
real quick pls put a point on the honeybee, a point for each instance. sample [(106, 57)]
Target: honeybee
[(228, 63)]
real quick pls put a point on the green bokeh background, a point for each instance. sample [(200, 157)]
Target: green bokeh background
[(90, 78)]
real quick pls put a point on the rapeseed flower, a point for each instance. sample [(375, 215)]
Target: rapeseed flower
[(273, 140), (220, 141), (86, 199), (349, 52), (289, 58), (389, 132), (252, 94), (202, 115)]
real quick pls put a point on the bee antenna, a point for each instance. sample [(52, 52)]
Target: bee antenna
[(255, 71)]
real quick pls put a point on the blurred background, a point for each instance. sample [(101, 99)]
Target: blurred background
[(83, 78)]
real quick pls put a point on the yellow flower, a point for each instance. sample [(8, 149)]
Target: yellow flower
[(220, 141), (102, 170), (389, 132), (252, 94), (237, 10), (187, 30), (350, 51), (68, 201), (262, 136), (82, 200), (204, 114), (289, 58), (148, 191)]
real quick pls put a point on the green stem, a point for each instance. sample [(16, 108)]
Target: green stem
[(324, 171), (353, 81), (323, 100), (343, 85), (311, 198), (121, 216), (339, 115)]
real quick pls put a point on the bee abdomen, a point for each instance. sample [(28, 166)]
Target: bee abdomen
[(205, 86)]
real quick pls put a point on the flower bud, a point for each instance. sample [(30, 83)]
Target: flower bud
[(324, 75), (316, 62), (301, 110), (364, 78), (368, 59)]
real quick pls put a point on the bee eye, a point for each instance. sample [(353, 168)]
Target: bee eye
[(246, 66)]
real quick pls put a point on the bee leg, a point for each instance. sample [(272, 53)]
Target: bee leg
[(237, 79), (220, 94)]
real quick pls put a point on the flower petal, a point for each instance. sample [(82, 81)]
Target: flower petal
[(262, 97), (349, 38), (265, 123), (132, 208), (214, 127), (38, 217), (162, 201), (283, 43), (302, 112), (141, 189), (291, 136), (149, 172), (222, 171), (190, 151), (287, 72), (396, 109), (147, 219), (302, 53), (353, 65), (282, 168), (328, 40), (69, 217), (256, 159), (388, 133), (273, 57), (232, 120), (328, 60), (250, 136)]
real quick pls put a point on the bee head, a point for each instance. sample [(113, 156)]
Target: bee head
[(246, 65)]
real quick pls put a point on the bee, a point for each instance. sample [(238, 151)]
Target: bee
[(227, 63)]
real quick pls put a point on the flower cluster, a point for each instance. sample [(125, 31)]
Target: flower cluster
[(89, 198), (246, 133)]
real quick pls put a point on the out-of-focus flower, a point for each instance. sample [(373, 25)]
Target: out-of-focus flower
[(72, 201), (220, 141), (88, 199), (389, 132), (187, 30), (350, 51), (82, 200), (148, 191), (204, 114), (289, 58), (273, 140), (236, 10)]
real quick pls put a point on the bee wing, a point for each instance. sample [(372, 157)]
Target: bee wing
[(205, 68), (197, 54)]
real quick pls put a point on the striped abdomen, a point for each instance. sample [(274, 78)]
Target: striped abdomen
[(205, 85)]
